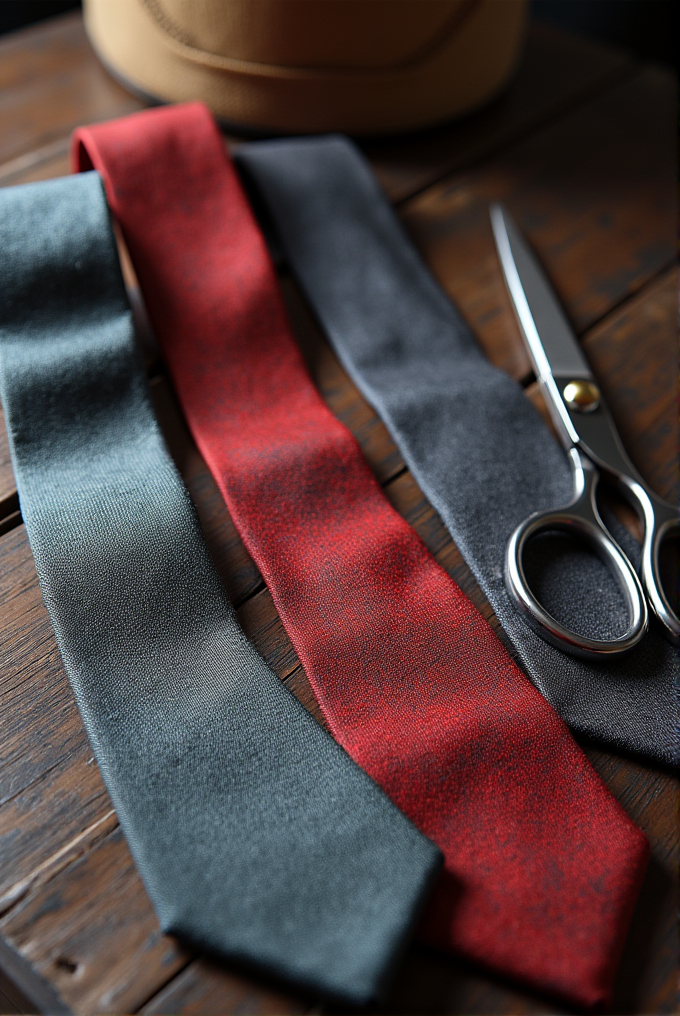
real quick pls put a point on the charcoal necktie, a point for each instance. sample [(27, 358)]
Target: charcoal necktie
[(542, 866), (473, 441), (256, 836)]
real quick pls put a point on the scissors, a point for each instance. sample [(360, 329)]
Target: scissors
[(589, 436)]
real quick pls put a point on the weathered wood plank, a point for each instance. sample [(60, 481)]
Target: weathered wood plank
[(42, 164), (65, 851), (595, 196), (208, 989), (91, 933), (50, 82), (40, 726), (13, 518), (633, 353), (557, 71), (12, 1001)]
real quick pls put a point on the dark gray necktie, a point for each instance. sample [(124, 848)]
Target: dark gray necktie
[(255, 834), (473, 441)]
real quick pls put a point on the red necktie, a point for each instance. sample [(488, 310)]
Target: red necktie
[(542, 865)]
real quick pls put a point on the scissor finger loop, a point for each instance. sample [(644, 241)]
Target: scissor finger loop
[(661, 522), (587, 432), (579, 520)]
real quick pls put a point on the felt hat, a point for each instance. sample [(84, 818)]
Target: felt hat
[(307, 66)]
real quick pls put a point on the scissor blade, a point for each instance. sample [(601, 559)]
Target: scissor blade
[(553, 347)]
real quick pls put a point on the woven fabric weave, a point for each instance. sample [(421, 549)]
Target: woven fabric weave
[(542, 866), (256, 836), (475, 444)]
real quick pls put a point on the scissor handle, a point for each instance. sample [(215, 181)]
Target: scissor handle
[(582, 520), (661, 520)]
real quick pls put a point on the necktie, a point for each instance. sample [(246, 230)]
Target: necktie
[(476, 446), (542, 867), (255, 835)]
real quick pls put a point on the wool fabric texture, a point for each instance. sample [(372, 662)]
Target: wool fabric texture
[(473, 441), (256, 836), (368, 67), (542, 867)]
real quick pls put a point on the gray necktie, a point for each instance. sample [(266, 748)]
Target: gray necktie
[(474, 443), (255, 834)]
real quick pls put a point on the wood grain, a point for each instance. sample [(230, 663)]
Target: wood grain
[(208, 989), (557, 72), (633, 353), (430, 983), (99, 958), (46, 164), (594, 194), (50, 82), (40, 728)]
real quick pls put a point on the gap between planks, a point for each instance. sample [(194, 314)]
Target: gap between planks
[(31, 160), (621, 304), (65, 856), (617, 76)]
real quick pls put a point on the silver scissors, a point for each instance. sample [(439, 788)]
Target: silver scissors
[(587, 432)]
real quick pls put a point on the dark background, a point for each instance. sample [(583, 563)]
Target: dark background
[(645, 27)]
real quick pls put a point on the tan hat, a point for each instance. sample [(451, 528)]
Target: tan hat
[(304, 66)]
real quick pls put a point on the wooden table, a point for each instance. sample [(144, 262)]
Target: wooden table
[(581, 149)]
